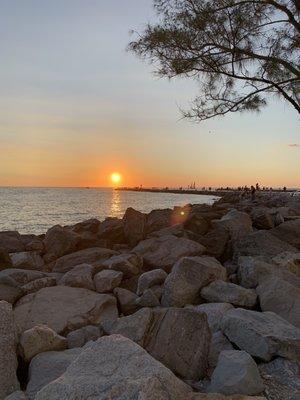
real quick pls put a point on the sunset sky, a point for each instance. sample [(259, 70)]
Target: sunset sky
[(76, 107)]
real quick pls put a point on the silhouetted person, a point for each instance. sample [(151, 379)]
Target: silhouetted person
[(253, 190)]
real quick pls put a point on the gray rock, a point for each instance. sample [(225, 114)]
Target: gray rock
[(40, 339), (149, 279), (27, 260), (80, 276), (281, 297), (281, 378), (148, 299), (5, 261), (219, 343), (116, 368), (111, 229), (8, 359), (262, 218), (107, 280), (261, 334), (134, 226), (216, 242), (64, 309), (129, 264), (38, 284), (261, 243), (290, 261), (189, 275), (157, 220), (58, 242), (18, 395), (226, 292), (46, 367), (164, 251), (83, 335), (237, 223), (10, 294), (236, 373), (214, 313), (19, 277), (11, 241), (288, 232), (126, 300), (92, 256)]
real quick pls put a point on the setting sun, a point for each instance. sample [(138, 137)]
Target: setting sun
[(115, 177)]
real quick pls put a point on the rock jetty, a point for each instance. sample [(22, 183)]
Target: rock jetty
[(192, 303)]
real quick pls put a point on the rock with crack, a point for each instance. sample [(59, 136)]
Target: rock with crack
[(107, 280), (64, 309), (129, 264), (117, 368), (80, 276), (261, 334), (18, 277), (214, 312), (134, 226), (189, 275), (149, 279), (237, 223), (83, 335)]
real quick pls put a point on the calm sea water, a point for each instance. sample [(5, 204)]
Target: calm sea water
[(34, 210)]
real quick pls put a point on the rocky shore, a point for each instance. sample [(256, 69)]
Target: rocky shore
[(195, 303)]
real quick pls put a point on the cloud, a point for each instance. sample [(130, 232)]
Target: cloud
[(294, 145)]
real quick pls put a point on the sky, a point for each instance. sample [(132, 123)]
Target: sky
[(75, 106)]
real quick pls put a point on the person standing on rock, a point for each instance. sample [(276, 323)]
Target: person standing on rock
[(253, 191)]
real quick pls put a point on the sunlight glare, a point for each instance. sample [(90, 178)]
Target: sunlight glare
[(115, 178)]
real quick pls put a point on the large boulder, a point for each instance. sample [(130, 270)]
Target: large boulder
[(79, 276), (92, 256), (134, 226), (126, 300), (236, 373), (289, 261), (158, 219), (288, 232), (261, 243), (129, 264), (214, 313), (216, 242), (237, 223), (164, 251), (87, 232), (5, 261), (10, 293), (19, 277), (27, 260), (112, 230), (39, 339), (107, 280), (17, 395), (219, 396), (219, 343), (189, 275), (58, 242), (262, 334), (8, 359), (281, 378), (11, 241), (281, 297), (38, 284), (196, 224), (163, 331), (46, 367), (226, 292), (64, 308), (151, 278), (262, 218), (83, 335), (116, 368)]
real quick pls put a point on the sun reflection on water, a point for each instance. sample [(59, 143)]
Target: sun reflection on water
[(115, 209)]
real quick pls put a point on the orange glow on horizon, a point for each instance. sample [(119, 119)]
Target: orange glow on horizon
[(115, 178)]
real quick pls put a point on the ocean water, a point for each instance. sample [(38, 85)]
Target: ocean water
[(34, 210)]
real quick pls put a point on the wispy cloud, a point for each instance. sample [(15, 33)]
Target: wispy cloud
[(294, 145)]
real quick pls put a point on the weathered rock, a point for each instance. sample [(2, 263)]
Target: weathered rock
[(262, 218), (226, 292), (83, 335), (281, 297), (19, 277), (58, 242), (189, 275), (211, 396), (64, 308), (107, 280), (126, 300), (112, 230), (46, 367), (129, 264), (134, 226), (164, 251), (117, 368), (219, 343), (157, 220), (163, 331), (38, 284), (87, 232), (11, 241), (252, 270), (92, 256), (237, 223), (214, 313), (262, 334), (39, 339), (261, 243), (10, 293), (236, 373), (148, 299), (288, 232), (289, 261), (27, 260), (281, 378), (18, 395), (79, 276), (151, 278), (5, 261), (197, 224), (8, 359), (216, 242)]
